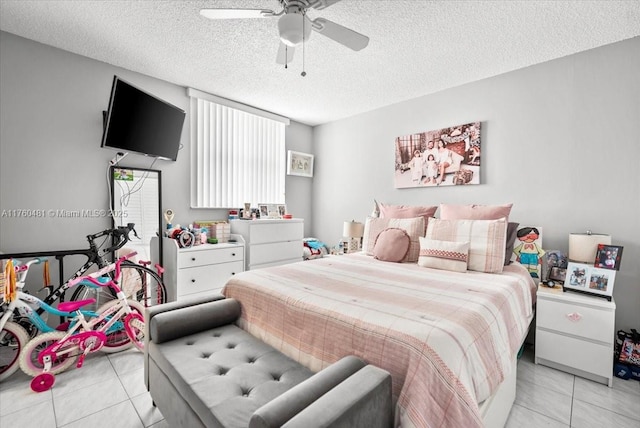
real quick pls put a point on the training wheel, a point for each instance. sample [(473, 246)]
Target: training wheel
[(42, 382)]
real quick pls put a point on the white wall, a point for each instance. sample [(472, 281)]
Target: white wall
[(51, 104), (560, 141)]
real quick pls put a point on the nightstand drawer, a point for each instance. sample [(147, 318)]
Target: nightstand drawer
[(575, 353), (189, 259), (569, 318)]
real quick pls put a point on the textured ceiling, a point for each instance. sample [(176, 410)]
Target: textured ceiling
[(416, 47)]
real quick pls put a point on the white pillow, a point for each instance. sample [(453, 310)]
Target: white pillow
[(486, 240), (446, 255)]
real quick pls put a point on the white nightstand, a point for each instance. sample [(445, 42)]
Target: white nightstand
[(575, 333)]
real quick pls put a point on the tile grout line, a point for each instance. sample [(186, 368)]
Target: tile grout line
[(125, 391), (573, 397)]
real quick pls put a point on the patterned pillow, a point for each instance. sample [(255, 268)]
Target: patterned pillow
[(486, 240), (392, 245), (413, 226), (444, 255), (474, 212)]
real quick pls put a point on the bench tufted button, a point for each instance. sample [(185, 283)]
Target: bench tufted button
[(231, 346), (189, 343), (217, 334), (276, 378), (205, 355)]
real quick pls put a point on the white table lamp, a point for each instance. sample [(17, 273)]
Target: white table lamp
[(352, 231), (584, 246)]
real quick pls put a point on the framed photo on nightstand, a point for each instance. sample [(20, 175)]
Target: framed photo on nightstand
[(608, 257), (589, 279)]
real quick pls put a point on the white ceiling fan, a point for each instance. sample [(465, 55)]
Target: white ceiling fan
[(294, 26)]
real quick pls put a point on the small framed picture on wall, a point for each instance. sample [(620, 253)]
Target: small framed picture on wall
[(299, 163)]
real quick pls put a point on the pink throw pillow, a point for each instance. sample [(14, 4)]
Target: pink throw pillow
[(474, 212), (413, 226), (407, 211), (392, 245)]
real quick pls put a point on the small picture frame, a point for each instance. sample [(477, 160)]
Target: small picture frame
[(264, 210), (589, 279), (271, 211), (557, 274), (608, 257), (299, 163), (282, 210)]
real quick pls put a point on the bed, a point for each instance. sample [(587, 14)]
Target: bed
[(449, 339)]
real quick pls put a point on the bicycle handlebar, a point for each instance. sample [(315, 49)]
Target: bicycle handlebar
[(92, 277), (120, 234)]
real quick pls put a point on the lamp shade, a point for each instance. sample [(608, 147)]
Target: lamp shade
[(292, 28), (353, 229), (583, 246)]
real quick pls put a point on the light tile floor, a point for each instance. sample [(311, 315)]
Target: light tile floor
[(109, 391)]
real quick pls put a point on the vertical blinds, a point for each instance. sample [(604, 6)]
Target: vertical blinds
[(236, 157)]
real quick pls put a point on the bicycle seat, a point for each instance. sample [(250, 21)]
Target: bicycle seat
[(74, 305)]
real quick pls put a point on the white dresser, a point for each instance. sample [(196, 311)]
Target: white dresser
[(202, 269), (575, 333), (270, 242)]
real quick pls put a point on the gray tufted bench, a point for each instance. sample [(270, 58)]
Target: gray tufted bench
[(203, 371)]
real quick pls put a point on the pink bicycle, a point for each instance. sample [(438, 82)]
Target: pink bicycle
[(51, 353)]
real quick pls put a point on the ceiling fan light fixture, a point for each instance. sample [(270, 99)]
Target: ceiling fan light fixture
[(291, 26)]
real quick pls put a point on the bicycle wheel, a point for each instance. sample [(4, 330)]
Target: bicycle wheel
[(118, 340), (137, 282), (134, 324), (31, 365), (13, 339)]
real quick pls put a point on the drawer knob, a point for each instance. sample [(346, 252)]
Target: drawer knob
[(233, 254), (575, 317), (233, 273), (193, 259), (193, 280)]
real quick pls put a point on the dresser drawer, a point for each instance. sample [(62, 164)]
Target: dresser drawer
[(575, 353), (188, 259), (275, 232), (205, 278), (270, 253), (569, 318)]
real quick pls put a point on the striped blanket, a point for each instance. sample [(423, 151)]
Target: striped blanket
[(447, 338)]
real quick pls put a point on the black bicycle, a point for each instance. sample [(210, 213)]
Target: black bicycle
[(138, 282)]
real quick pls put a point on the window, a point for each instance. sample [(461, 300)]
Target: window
[(237, 154)]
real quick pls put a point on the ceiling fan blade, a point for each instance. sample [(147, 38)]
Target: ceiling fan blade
[(285, 54), (322, 4), (236, 13), (340, 34)]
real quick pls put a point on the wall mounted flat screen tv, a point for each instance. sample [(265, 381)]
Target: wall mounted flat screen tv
[(139, 122)]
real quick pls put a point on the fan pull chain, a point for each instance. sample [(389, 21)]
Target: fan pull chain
[(286, 56), (304, 73)]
